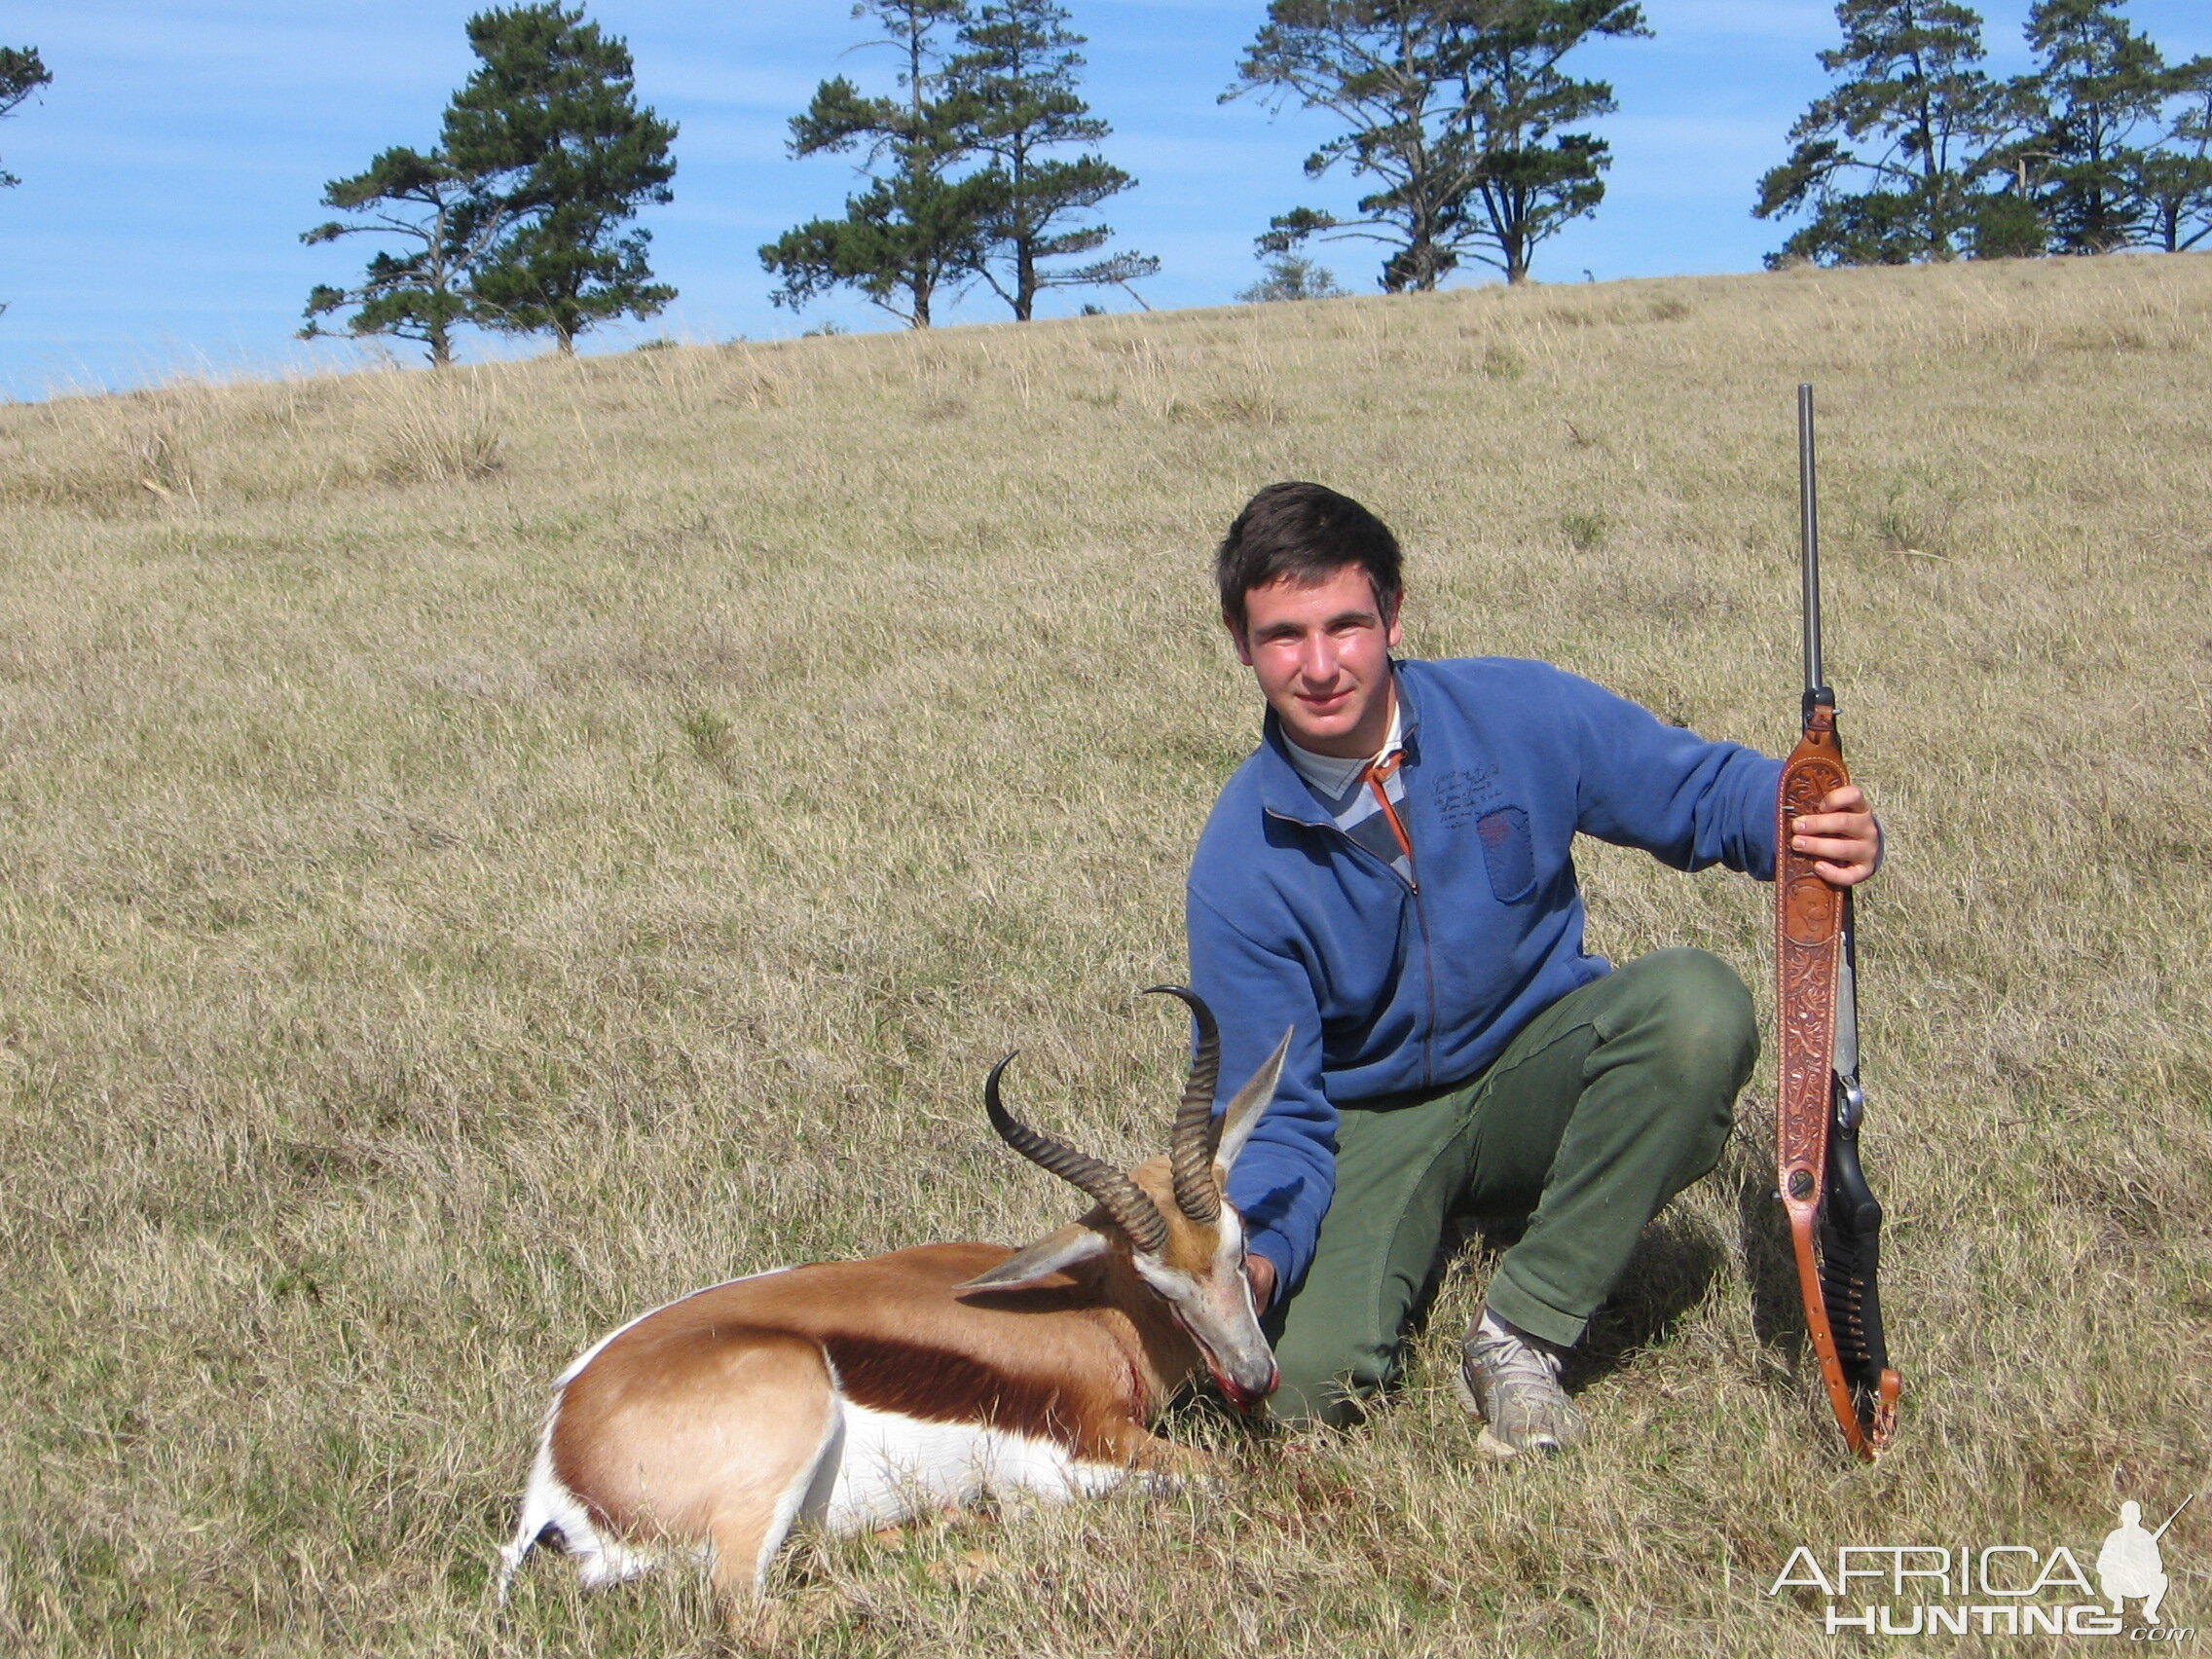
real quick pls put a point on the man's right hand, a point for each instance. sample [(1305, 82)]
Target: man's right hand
[(1260, 1272)]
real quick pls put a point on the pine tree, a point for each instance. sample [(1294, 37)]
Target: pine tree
[(2101, 87), (1531, 183), (1913, 122), (1456, 110), (917, 233), (21, 75), (2174, 180), (1015, 86), (551, 124), (424, 293), (1293, 276)]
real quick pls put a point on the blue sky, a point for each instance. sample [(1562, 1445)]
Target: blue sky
[(168, 170)]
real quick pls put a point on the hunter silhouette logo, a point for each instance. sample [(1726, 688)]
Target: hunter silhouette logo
[(2130, 1566), (1993, 1589)]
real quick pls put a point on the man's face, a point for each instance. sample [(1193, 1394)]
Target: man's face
[(1321, 652)]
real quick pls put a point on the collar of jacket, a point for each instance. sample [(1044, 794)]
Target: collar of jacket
[(1285, 793)]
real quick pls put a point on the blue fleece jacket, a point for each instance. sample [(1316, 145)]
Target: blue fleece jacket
[(1390, 985)]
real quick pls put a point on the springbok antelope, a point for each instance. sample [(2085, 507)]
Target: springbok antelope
[(855, 1394)]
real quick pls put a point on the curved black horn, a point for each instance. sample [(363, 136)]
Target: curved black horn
[(1198, 1132), (1122, 1198)]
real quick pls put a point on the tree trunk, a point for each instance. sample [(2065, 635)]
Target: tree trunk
[(1026, 232)]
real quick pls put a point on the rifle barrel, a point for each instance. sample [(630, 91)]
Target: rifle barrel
[(1809, 536), (2171, 1518)]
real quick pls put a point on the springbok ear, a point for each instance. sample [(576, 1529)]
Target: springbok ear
[(1073, 1243), (1254, 1098)]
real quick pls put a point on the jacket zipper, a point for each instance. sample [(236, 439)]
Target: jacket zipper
[(1412, 879), (1378, 780), (1428, 982)]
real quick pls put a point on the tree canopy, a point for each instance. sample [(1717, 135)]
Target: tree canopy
[(515, 220), (552, 124), (21, 74), (961, 184), (916, 232), (423, 293), (2098, 89), (1918, 154), (1457, 111), (1014, 88), (1293, 276), (1912, 124), (2173, 181)]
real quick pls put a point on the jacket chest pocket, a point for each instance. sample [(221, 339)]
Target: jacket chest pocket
[(1509, 855)]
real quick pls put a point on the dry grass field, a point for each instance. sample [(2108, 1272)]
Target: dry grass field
[(480, 856)]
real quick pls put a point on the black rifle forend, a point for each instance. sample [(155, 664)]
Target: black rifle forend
[(1850, 1243)]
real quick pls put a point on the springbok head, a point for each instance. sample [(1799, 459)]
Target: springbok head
[(1182, 1237)]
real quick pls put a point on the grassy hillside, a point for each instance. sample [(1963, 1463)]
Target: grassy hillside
[(482, 856)]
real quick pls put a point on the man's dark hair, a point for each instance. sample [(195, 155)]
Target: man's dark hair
[(1307, 532)]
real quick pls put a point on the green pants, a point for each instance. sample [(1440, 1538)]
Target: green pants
[(1606, 1105)]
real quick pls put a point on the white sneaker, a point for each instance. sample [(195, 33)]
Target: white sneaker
[(1510, 1380)]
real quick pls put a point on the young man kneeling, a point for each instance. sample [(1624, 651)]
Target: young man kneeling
[(1390, 875)]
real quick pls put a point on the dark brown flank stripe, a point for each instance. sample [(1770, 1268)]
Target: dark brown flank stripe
[(887, 1375)]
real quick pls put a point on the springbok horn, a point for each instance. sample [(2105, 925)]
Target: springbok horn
[(1122, 1198), (1198, 1132)]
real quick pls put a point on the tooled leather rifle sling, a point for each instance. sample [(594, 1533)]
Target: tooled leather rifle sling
[(1834, 1222)]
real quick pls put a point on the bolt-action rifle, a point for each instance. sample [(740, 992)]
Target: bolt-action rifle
[(1835, 1222)]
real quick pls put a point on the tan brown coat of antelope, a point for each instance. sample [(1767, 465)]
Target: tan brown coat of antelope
[(855, 1394)]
